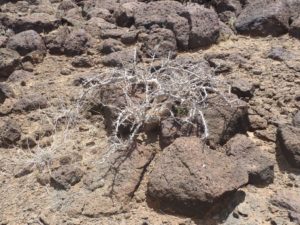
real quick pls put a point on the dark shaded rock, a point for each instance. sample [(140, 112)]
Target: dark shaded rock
[(296, 119), (252, 159), (77, 42), (10, 133), (28, 142), (160, 43), (110, 45), (223, 6), (10, 61), (171, 15), (190, 178), (242, 88), (289, 143), (129, 37), (82, 61), (40, 22), (121, 58), (124, 14), (224, 120), (295, 28), (55, 40), (26, 42), (263, 18), (30, 103), (65, 177), (5, 92), (205, 26)]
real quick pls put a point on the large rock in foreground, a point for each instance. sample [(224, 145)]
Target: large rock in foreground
[(263, 18), (289, 143), (189, 177)]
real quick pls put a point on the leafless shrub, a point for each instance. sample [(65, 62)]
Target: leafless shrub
[(150, 93)]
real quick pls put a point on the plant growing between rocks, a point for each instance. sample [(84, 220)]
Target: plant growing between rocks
[(135, 99)]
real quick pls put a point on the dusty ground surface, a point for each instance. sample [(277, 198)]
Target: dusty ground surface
[(67, 137)]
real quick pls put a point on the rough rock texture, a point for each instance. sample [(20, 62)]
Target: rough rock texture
[(26, 42), (296, 120), (10, 133), (5, 92), (224, 120), (159, 43), (262, 18), (77, 42), (10, 61), (188, 178), (66, 176), (288, 200), (252, 158), (289, 143), (295, 28), (204, 27)]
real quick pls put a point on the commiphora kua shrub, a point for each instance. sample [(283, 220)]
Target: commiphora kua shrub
[(137, 97)]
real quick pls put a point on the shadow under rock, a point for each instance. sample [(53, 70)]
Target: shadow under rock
[(216, 214)]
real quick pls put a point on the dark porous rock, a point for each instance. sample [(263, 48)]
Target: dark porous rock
[(65, 177), (130, 37), (10, 133), (124, 15), (5, 92), (224, 120), (82, 61), (263, 18), (243, 88), (56, 39), (77, 42), (259, 166), (26, 42), (190, 178), (159, 43), (205, 26), (30, 103), (121, 58), (228, 5), (10, 61), (295, 28), (296, 119), (289, 143), (40, 22), (110, 45)]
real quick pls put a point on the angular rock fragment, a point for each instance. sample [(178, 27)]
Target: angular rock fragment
[(190, 178), (26, 42), (10, 133), (263, 18), (10, 61), (65, 177), (289, 143), (252, 159)]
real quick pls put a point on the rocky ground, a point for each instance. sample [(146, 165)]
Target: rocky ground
[(87, 138)]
